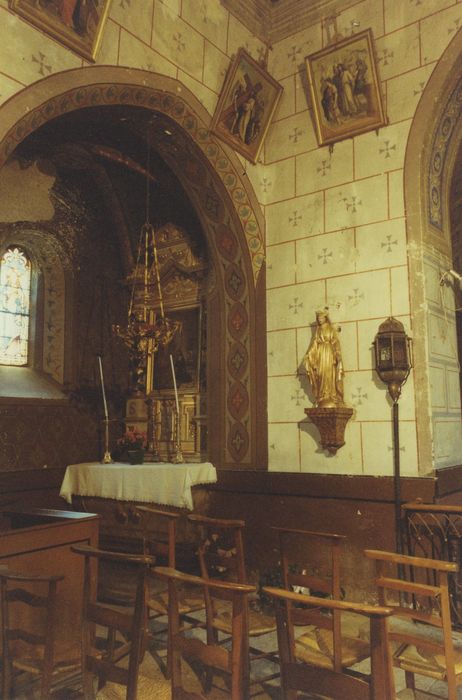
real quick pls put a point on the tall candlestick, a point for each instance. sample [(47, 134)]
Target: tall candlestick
[(102, 388), (174, 386)]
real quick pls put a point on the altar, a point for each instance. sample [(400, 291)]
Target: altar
[(154, 482)]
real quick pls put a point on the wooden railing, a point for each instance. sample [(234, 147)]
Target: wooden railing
[(436, 531)]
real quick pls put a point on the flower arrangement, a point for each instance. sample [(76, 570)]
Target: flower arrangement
[(132, 439)]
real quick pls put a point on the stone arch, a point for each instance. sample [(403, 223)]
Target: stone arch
[(433, 144), (214, 180)]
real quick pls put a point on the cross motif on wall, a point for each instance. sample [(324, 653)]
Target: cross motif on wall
[(388, 243), (41, 61), (420, 90), (293, 53), (294, 136), (180, 45), (265, 184), (325, 256), (386, 57), (297, 398), (295, 218), (456, 26), (352, 203), (124, 4), (356, 297), (387, 148), (415, 2), (359, 396), (325, 165), (296, 305)]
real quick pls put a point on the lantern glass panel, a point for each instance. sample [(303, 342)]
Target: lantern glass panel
[(384, 353)]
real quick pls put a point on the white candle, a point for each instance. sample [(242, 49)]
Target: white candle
[(102, 387), (174, 386)]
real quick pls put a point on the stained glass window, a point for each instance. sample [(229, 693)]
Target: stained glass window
[(15, 278)]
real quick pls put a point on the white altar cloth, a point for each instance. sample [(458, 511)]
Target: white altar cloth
[(156, 482)]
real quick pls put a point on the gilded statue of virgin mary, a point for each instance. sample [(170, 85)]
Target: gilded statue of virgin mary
[(323, 363)]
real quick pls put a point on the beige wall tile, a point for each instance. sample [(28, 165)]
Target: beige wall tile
[(436, 33), (28, 54), (396, 194), (398, 50), (377, 153), (108, 53), (282, 353), (399, 291), (447, 439), (135, 17), (280, 265), (302, 92), (283, 447), (256, 175), (205, 96), (295, 218), (367, 397), (367, 330), (287, 399), (349, 344), (288, 55), (316, 460), (378, 448), (240, 37), (381, 245), (360, 296), (325, 256), (436, 293), (441, 336), (438, 389), (178, 41), (174, 6), (289, 307), (136, 54), (289, 137), (362, 15), (8, 88), (399, 14), (453, 384), (357, 203), (404, 93), (215, 66), (209, 18), (277, 182), (321, 169), (286, 104)]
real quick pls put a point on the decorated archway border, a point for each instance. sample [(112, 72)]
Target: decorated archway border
[(238, 208), (171, 104)]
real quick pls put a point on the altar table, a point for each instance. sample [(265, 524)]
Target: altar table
[(152, 482)]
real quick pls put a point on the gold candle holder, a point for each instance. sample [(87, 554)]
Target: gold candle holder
[(177, 453), (107, 459)]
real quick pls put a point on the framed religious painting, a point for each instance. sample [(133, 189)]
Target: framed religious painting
[(77, 24), (345, 89), (246, 106)]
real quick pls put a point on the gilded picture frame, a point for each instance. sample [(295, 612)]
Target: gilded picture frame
[(77, 24), (345, 89), (246, 106)]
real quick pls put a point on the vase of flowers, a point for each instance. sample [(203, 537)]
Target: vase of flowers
[(131, 446)]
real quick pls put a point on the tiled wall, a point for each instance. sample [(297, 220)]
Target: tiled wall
[(336, 229)]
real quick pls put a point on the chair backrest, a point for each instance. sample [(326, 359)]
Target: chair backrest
[(334, 681), (212, 655), (28, 614), (159, 528), (131, 623), (310, 564), (401, 583), (220, 548)]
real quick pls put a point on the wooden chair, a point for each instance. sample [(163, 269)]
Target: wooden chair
[(159, 528), (209, 654), (29, 610), (310, 563), (326, 673), (129, 623), (221, 557), (420, 631)]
